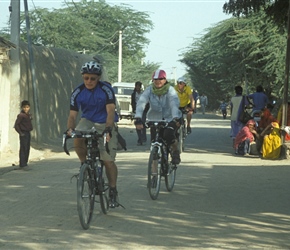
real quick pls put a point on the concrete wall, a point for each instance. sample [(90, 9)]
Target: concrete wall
[(57, 74), (4, 103)]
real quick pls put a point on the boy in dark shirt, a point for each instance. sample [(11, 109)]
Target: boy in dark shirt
[(23, 126)]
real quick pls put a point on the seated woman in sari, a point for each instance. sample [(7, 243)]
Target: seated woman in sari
[(271, 147), (245, 137), (266, 119)]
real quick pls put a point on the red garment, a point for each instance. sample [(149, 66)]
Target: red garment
[(266, 119), (245, 133)]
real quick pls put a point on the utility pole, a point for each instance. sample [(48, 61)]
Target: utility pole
[(120, 57), (33, 77), (286, 83), (14, 97)]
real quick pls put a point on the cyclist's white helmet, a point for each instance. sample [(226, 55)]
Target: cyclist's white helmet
[(181, 79), (91, 67)]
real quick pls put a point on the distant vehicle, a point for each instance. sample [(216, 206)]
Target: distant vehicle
[(123, 92)]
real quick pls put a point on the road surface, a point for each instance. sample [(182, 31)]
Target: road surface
[(220, 201)]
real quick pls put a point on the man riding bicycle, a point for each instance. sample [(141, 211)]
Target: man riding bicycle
[(164, 105), (186, 99), (96, 100)]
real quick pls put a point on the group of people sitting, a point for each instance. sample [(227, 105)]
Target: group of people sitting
[(260, 138)]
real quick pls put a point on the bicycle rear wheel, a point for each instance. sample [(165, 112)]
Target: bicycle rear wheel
[(154, 177), (85, 196), (170, 177)]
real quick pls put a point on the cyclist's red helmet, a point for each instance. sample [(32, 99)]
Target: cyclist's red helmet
[(159, 74)]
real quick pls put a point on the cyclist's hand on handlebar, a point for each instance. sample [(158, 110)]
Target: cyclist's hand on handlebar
[(175, 123), (69, 131), (108, 133)]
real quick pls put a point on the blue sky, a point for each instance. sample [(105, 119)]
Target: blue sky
[(176, 23)]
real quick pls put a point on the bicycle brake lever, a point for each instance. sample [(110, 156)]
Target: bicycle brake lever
[(106, 143), (64, 139), (105, 139)]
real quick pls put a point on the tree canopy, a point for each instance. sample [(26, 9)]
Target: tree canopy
[(93, 27), (277, 9), (238, 51)]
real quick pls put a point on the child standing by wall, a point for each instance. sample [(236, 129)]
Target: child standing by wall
[(23, 126)]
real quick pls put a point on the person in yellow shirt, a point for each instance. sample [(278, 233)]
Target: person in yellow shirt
[(186, 100)]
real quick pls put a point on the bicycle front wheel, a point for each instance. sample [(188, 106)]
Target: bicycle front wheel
[(170, 177), (154, 176), (181, 139), (85, 196), (104, 195)]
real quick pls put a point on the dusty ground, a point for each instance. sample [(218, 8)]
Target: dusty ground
[(219, 201)]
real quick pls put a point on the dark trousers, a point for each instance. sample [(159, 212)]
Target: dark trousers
[(224, 112), (24, 149), (244, 147), (141, 133), (169, 134)]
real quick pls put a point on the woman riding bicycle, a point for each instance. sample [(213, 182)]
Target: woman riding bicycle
[(164, 105)]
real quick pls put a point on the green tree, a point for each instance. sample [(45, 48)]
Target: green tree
[(238, 51), (93, 27), (275, 9)]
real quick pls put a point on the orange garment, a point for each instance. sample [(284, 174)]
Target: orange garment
[(266, 119)]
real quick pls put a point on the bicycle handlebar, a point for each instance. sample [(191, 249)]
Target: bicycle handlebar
[(82, 134), (162, 124), (184, 111)]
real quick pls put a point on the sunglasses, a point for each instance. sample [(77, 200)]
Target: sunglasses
[(158, 79), (180, 83), (90, 78)]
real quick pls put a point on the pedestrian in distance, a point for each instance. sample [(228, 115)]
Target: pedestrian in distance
[(186, 99), (96, 100), (164, 105), (203, 103), (195, 98), (141, 133), (236, 124), (23, 126), (223, 108), (260, 99)]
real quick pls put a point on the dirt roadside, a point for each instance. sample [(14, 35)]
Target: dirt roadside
[(38, 152)]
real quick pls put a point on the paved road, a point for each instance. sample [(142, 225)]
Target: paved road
[(220, 201)]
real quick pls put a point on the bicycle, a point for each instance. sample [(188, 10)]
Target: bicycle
[(90, 180), (159, 164), (182, 131)]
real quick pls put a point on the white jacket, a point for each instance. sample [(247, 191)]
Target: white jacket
[(164, 107)]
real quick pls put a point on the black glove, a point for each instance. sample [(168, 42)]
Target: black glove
[(173, 124), (108, 130), (138, 121)]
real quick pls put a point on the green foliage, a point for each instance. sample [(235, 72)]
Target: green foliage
[(93, 27), (133, 71), (238, 51), (277, 10)]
